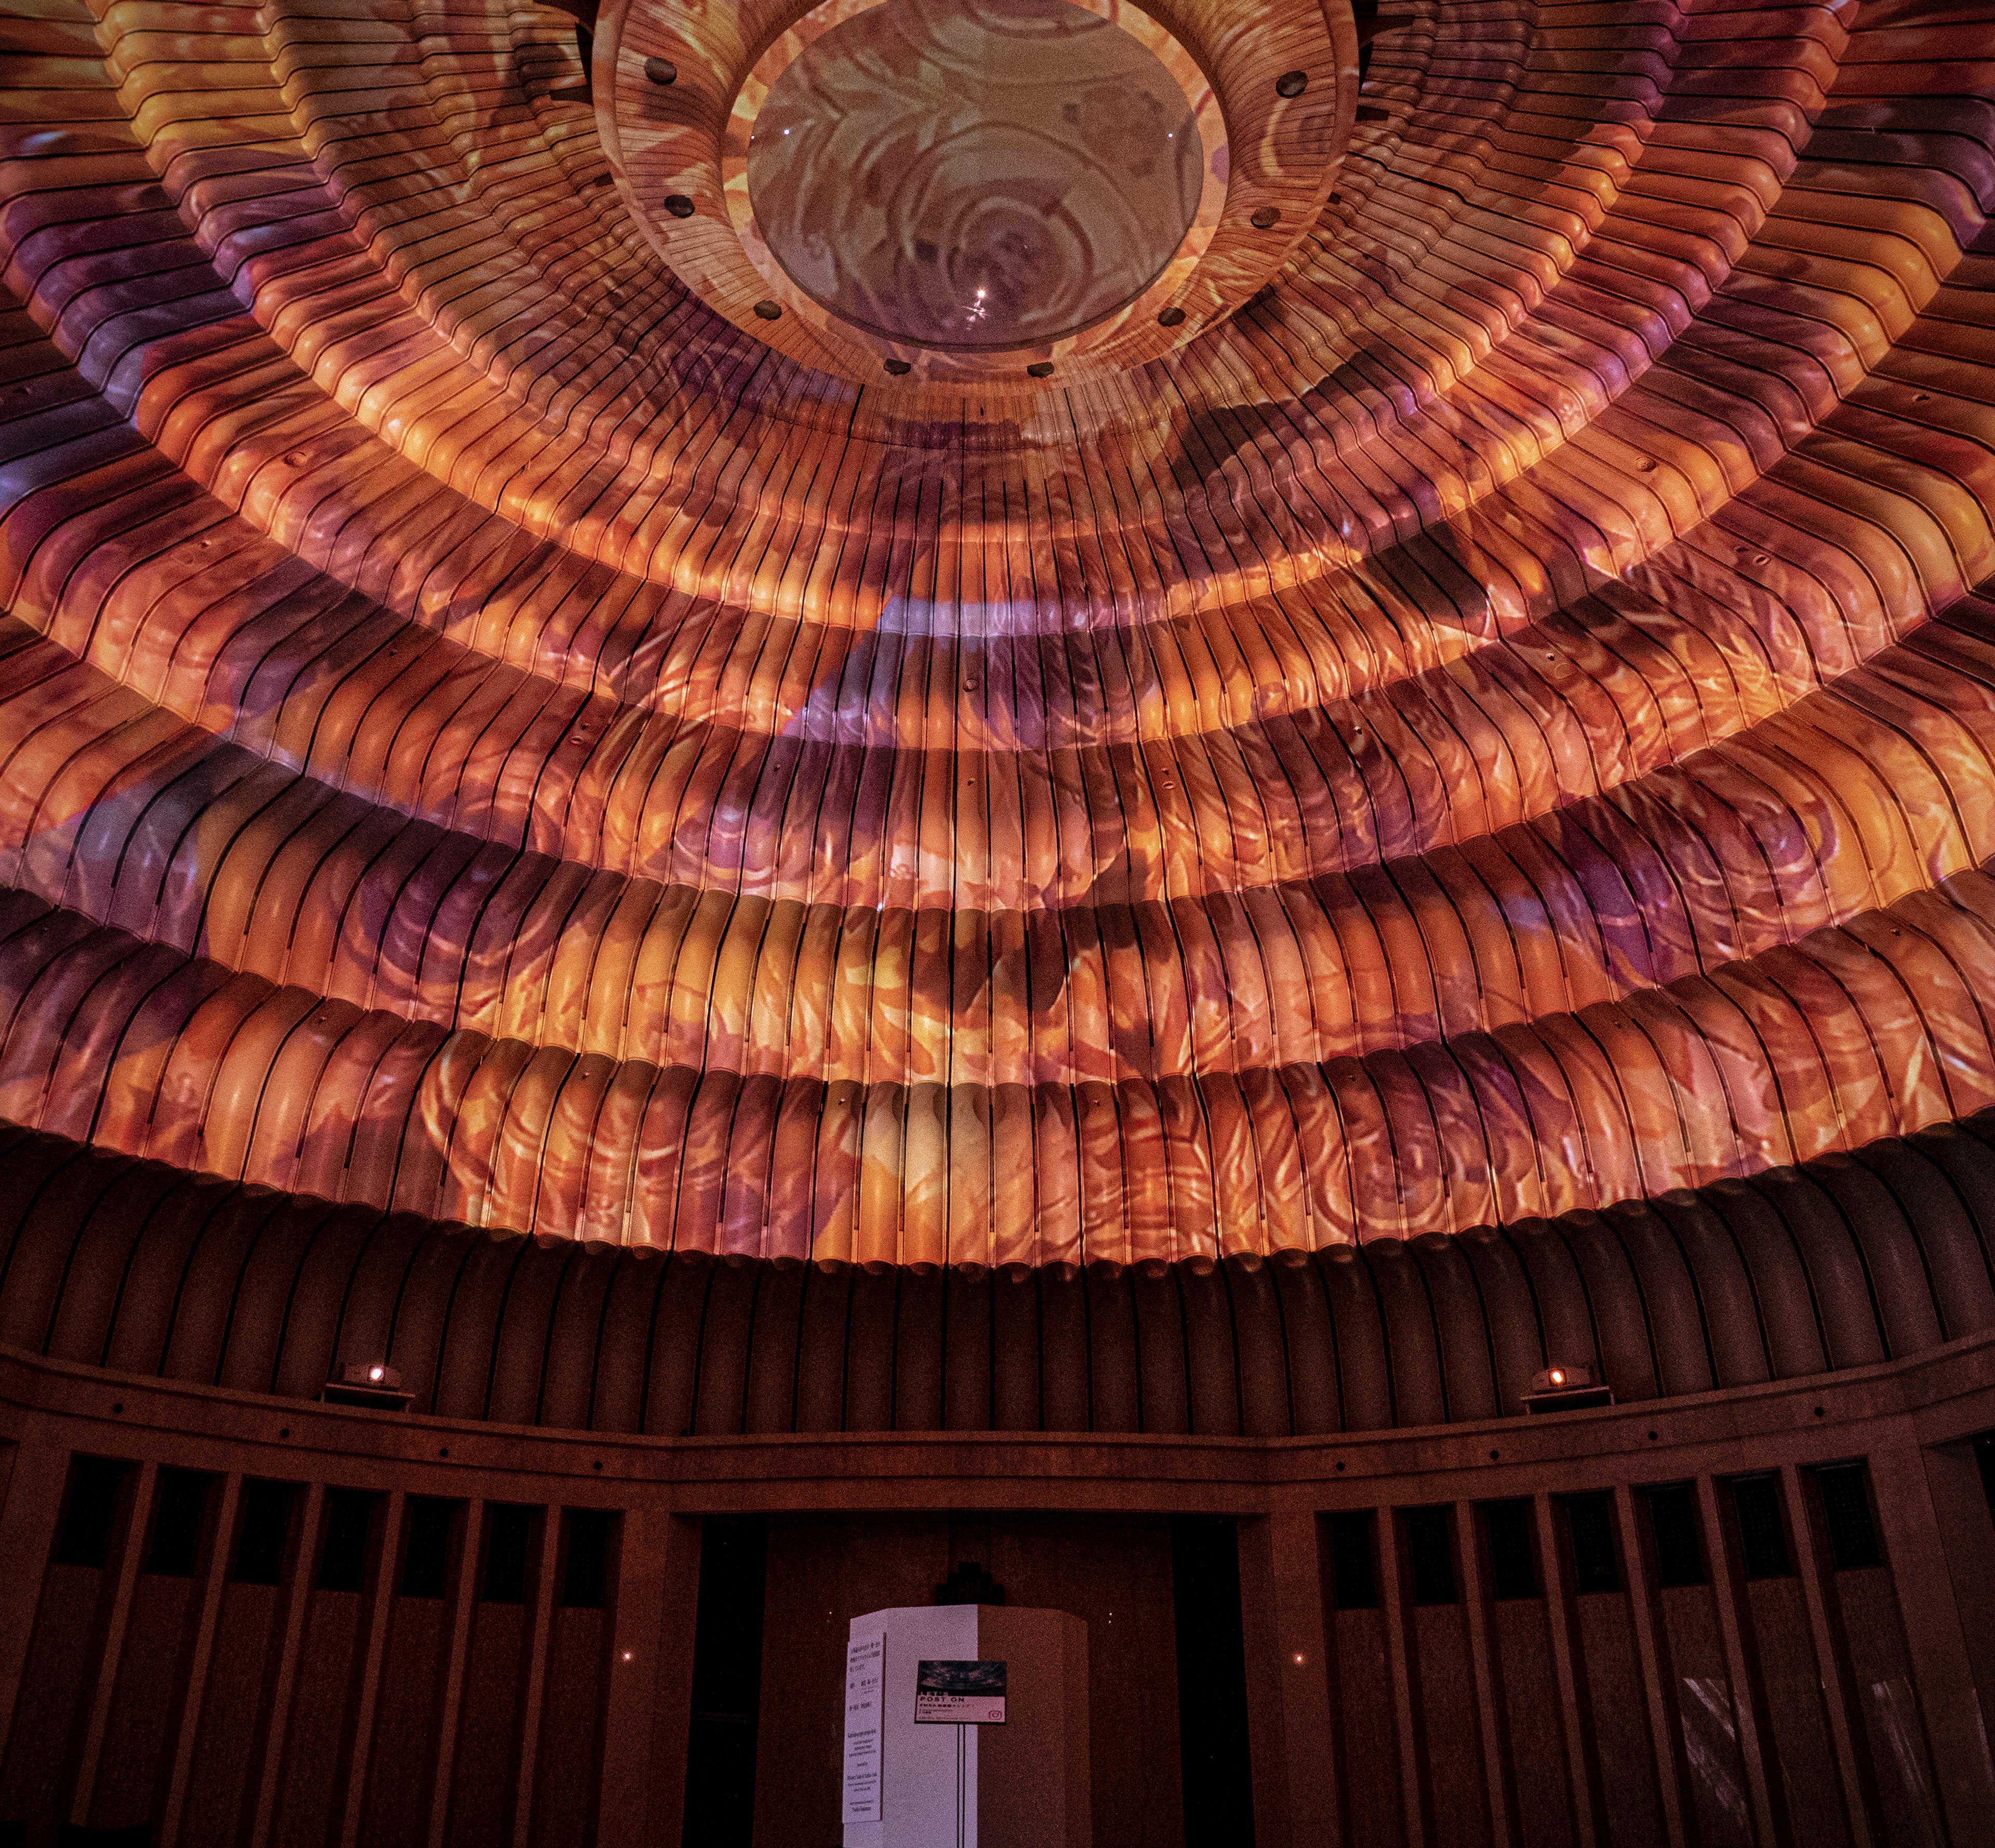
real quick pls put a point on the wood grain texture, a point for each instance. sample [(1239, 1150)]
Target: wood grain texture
[(1503, 724)]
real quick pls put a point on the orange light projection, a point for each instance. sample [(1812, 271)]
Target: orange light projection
[(958, 173), (1498, 719)]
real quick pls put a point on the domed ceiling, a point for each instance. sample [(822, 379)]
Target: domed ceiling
[(1421, 662)]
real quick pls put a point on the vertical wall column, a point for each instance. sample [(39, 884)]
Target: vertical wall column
[(1829, 1662), (654, 1610), (540, 1629), (297, 1599), (128, 1556), (28, 1518), (463, 1594), (1747, 1709), (1580, 1768), (379, 1607), (1962, 1504), (1642, 1593), (215, 1574), (1398, 1662), (1475, 1599), (1956, 1724), (1288, 1689)]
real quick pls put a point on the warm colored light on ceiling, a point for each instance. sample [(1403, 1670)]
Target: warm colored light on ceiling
[(1505, 722)]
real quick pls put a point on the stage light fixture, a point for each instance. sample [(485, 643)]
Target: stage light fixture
[(367, 1383), (1566, 1386)]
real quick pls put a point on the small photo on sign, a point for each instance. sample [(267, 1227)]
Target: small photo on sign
[(959, 1693)]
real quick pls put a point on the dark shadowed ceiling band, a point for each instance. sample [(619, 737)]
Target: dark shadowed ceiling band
[(1846, 1261)]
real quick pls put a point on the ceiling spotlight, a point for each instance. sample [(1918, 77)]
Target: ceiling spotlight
[(662, 71), (1172, 316), (678, 205), (898, 368), (1291, 83), (769, 311), (1265, 218), (1040, 368)]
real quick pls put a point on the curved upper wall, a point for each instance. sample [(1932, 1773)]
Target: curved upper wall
[(1500, 724), (1850, 1261)]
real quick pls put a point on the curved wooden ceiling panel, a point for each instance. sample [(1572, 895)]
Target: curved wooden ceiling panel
[(1501, 724)]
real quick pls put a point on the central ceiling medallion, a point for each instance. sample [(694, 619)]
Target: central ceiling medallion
[(979, 176), (1005, 195)]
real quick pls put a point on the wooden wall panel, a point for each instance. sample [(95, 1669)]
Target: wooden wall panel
[(235, 1715), (1702, 1697), (317, 1738), (1526, 1695), (40, 1744), (1832, 1695), (412, 1679), (487, 1746), (566, 1783), (1621, 1749), (137, 1738)]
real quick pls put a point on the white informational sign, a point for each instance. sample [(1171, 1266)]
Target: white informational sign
[(960, 1694), (865, 1672), (923, 1792)]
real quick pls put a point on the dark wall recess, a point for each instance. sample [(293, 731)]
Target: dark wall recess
[(1212, 1684), (1513, 1571), (263, 1530), (726, 1685), (509, 1534), (90, 1509), (1763, 1534), (1430, 1554), (1354, 1576), (586, 1558), (1673, 1532), (426, 1549), (1589, 1528), (177, 1512), (349, 1521), (1845, 1508)]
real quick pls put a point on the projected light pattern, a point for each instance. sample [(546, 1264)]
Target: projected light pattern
[(1504, 723), (957, 174)]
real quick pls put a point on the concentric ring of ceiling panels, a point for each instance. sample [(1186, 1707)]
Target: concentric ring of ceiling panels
[(1497, 717)]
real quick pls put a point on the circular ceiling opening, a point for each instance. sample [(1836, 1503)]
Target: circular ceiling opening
[(975, 175)]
